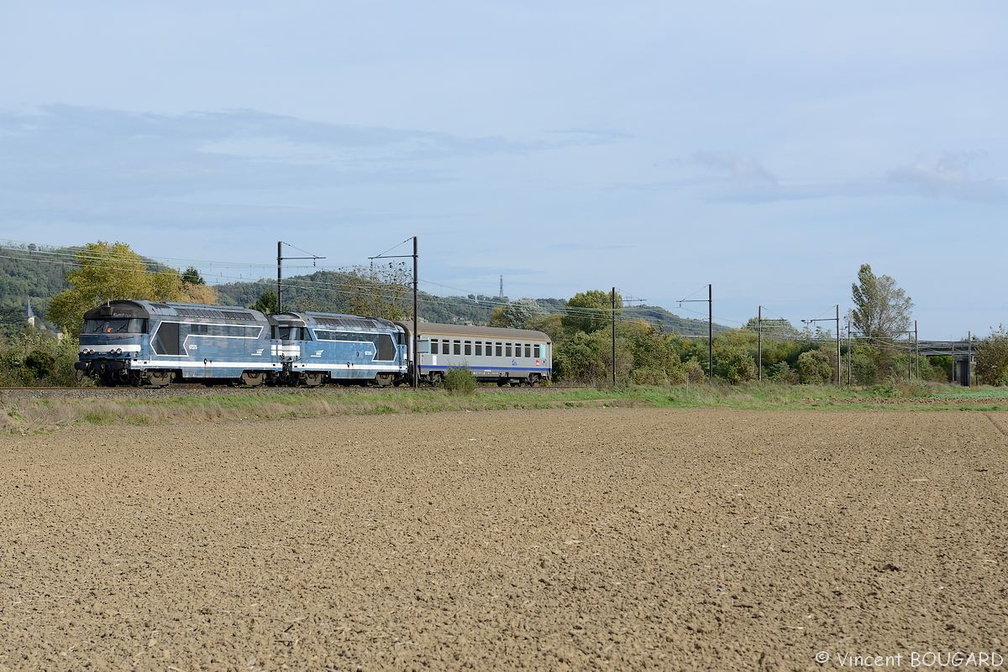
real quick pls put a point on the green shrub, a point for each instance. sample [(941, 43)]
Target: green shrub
[(992, 358), (459, 381), (815, 367)]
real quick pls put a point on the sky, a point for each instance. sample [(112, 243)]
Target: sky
[(765, 149)]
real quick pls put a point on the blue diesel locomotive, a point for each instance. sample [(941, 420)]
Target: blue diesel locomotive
[(328, 347), (152, 343)]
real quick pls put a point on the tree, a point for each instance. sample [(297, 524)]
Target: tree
[(266, 303), (881, 309), (992, 358), (515, 314), (107, 272), (773, 328), (590, 311), (380, 292), (192, 276)]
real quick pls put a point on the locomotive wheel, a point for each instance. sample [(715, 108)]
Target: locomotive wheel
[(252, 378), (159, 378), (313, 379)]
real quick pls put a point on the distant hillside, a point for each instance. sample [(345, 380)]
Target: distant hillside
[(36, 274), (30, 274), (325, 291)]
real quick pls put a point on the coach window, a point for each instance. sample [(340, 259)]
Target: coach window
[(445, 347), (507, 349), (498, 349), (467, 345), (479, 348), (457, 347), (433, 346), (528, 350), (537, 350)]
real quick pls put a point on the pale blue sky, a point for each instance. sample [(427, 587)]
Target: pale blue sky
[(767, 148)]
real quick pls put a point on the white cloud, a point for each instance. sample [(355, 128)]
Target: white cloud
[(949, 174)]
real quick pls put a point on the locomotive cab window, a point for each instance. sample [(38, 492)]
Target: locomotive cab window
[(115, 326), (288, 333)]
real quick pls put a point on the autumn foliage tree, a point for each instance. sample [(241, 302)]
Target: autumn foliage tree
[(112, 271), (515, 314), (992, 358), (590, 311)]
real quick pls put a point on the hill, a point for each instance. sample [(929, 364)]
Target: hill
[(327, 291), (36, 274), (30, 274)]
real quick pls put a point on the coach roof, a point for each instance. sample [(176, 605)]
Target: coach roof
[(472, 331)]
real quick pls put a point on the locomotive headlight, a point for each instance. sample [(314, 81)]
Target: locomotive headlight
[(118, 351)]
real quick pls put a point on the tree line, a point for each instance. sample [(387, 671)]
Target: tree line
[(583, 331)]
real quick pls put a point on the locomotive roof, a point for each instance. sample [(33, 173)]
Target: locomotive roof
[(474, 331), (186, 311), (337, 321)]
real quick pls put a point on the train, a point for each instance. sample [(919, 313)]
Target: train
[(154, 344)]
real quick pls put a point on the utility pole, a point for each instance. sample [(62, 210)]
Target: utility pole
[(849, 354), (759, 343), (838, 344), (614, 336), (916, 350), (280, 259), (710, 329), (969, 359), (837, 320), (415, 339), (710, 332)]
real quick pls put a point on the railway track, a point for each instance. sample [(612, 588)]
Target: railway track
[(127, 392)]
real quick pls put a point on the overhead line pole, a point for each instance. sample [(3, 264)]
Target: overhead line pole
[(280, 259), (837, 320), (710, 328), (614, 336), (415, 340)]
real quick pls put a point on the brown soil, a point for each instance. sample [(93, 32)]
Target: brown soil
[(609, 539)]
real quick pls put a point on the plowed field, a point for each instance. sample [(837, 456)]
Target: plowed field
[(589, 539)]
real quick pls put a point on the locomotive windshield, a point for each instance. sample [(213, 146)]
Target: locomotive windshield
[(133, 325), (288, 333)]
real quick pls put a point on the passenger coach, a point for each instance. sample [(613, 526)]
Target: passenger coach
[(504, 356)]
